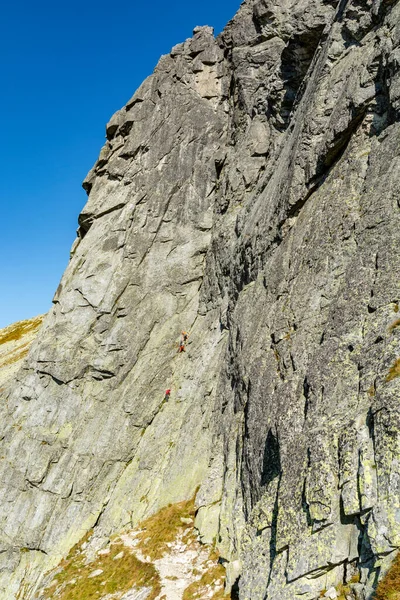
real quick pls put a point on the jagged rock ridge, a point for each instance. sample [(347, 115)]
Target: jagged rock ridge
[(248, 193)]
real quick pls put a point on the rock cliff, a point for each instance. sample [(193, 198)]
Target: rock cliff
[(247, 194)]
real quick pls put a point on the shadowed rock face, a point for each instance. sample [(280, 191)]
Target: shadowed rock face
[(248, 193)]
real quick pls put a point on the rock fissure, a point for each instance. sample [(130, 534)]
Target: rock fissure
[(247, 197)]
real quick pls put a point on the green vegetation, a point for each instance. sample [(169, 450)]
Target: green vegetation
[(394, 370), (73, 580), (164, 527), (389, 587)]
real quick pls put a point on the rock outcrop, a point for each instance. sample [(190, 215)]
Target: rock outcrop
[(15, 341), (248, 194)]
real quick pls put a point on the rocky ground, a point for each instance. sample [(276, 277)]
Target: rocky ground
[(162, 558)]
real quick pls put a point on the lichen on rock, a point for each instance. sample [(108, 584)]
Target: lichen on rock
[(247, 194)]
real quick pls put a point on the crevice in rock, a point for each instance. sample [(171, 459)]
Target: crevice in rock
[(271, 467), (304, 504), (33, 549), (85, 221), (235, 590), (384, 112), (295, 62), (306, 393), (274, 532), (57, 381)]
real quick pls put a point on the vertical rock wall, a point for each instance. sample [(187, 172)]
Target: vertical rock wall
[(248, 193)]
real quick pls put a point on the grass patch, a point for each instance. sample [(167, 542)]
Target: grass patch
[(343, 591), (73, 580), (214, 577), (15, 332), (14, 357), (161, 529), (389, 587), (394, 370), (110, 574), (356, 578)]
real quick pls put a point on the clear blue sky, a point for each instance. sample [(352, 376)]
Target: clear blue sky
[(66, 67)]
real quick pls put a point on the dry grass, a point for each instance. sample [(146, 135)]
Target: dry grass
[(164, 527), (15, 332), (389, 587), (343, 591), (214, 577), (356, 577), (394, 370), (14, 357), (73, 581), (394, 325)]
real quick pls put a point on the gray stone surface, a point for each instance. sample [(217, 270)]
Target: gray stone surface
[(248, 193)]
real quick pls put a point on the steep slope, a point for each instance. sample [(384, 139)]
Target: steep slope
[(14, 345), (248, 194)]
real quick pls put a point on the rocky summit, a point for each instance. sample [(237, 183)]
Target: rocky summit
[(213, 399)]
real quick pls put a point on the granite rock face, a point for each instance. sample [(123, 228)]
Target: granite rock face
[(248, 194)]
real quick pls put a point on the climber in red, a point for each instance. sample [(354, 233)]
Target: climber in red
[(167, 394), (181, 348)]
